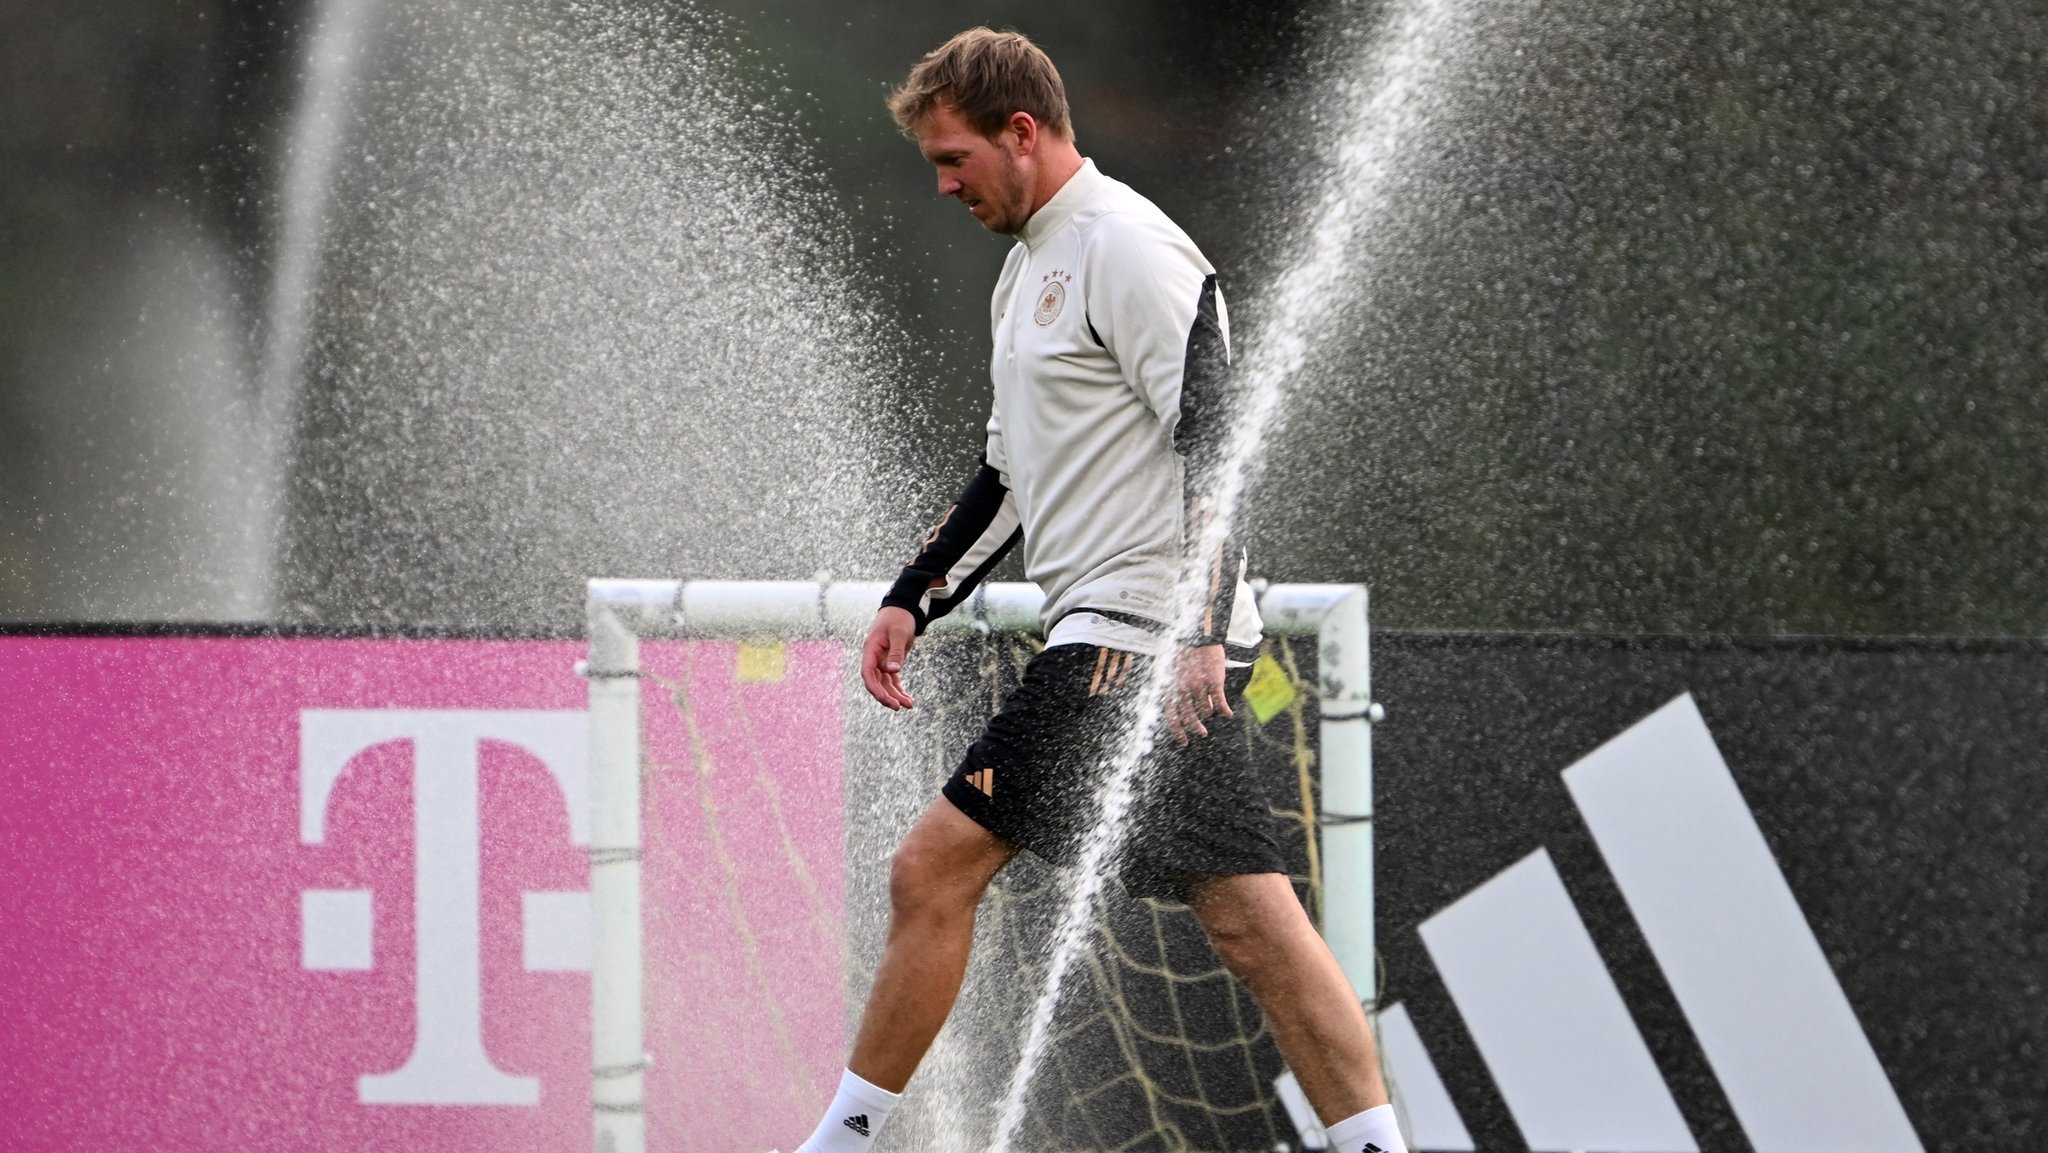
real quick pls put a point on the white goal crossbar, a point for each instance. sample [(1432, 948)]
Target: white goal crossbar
[(622, 612)]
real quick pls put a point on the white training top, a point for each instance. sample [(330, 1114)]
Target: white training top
[(1110, 354)]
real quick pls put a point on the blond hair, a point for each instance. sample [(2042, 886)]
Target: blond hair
[(986, 76)]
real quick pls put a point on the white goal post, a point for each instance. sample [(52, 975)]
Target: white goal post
[(622, 612)]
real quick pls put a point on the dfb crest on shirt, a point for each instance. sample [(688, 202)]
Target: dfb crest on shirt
[(1051, 298)]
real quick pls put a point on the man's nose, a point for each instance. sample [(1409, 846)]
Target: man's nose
[(947, 185)]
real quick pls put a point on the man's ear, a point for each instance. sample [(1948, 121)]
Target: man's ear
[(1022, 129)]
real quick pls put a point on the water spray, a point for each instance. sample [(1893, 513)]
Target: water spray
[(340, 41)]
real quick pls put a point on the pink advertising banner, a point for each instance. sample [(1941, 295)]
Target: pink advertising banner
[(332, 894)]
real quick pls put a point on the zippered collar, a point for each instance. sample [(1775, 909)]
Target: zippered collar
[(1054, 214)]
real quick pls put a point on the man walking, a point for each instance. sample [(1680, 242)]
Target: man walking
[(1111, 349)]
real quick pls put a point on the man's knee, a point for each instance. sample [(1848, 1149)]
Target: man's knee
[(943, 865), (1241, 947), (1248, 921), (919, 880)]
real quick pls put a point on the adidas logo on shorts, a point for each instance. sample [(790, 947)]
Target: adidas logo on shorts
[(858, 1123)]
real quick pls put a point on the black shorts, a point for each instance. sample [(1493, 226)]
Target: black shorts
[(1035, 776)]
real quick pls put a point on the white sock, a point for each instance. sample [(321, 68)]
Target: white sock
[(1373, 1131), (853, 1120)]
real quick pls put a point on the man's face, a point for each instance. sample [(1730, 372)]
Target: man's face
[(981, 173)]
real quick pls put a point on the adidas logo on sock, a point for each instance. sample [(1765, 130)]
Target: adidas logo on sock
[(858, 1123), (1371, 1148)]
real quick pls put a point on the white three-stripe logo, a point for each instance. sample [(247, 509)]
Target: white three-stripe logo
[(1748, 973)]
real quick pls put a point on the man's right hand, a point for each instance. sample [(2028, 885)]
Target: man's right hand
[(881, 657)]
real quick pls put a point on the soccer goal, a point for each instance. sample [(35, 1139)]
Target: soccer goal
[(1169, 1043)]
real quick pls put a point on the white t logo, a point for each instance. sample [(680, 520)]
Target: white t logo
[(448, 1065)]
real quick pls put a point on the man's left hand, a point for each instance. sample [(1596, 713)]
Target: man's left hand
[(1197, 691)]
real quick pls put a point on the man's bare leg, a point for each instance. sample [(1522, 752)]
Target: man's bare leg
[(1262, 934), (935, 881)]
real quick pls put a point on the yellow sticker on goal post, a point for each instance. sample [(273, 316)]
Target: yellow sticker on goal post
[(760, 662), (1270, 690)]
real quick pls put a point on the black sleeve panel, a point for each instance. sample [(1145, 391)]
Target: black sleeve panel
[(1208, 411), (976, 533)]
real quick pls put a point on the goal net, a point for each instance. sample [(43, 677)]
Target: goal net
[(745, 800)]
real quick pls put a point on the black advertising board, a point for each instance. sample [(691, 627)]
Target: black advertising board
[(1899, 789)]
